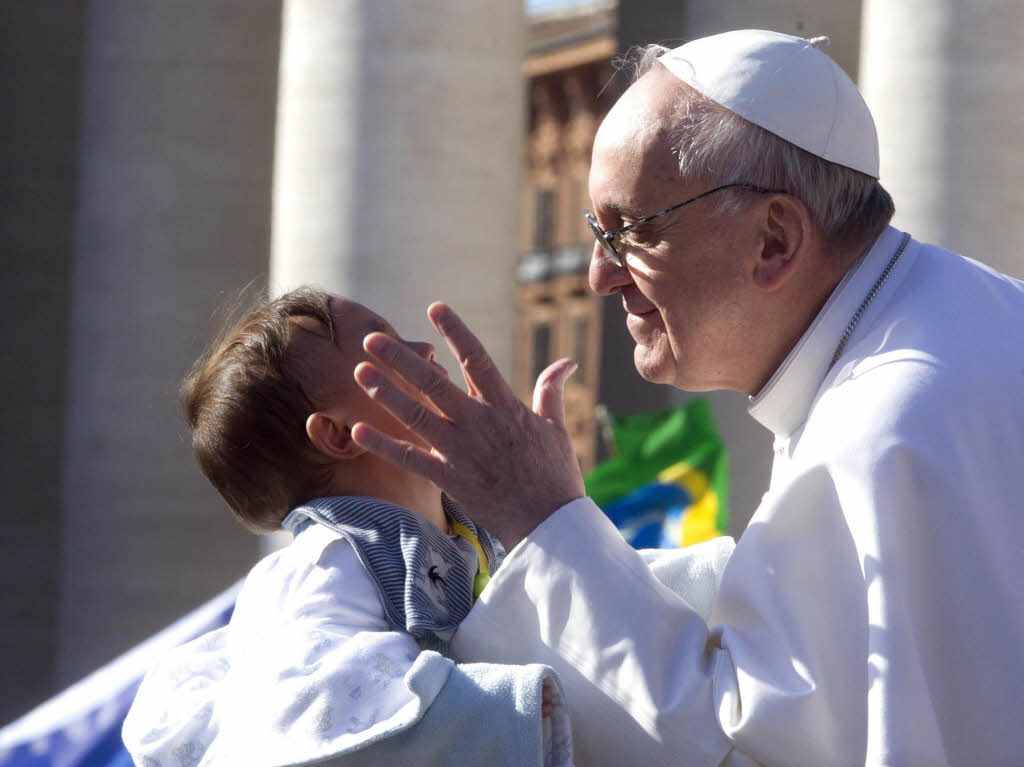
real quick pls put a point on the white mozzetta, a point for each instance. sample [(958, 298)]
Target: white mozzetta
[(871, 613)]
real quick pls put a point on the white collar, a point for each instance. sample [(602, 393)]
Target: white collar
[(782, 405)]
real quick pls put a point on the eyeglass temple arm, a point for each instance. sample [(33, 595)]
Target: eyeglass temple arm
[(645, 219)]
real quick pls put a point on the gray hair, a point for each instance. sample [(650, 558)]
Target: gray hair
[(720, 147)]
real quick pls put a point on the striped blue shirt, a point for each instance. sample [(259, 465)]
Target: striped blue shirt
[(424, 575)]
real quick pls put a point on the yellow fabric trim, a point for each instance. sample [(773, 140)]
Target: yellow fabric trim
[(484, 575)]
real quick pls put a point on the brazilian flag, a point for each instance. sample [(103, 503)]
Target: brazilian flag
[(667, 484)]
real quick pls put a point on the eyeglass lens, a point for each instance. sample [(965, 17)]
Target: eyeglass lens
[(602, 238)]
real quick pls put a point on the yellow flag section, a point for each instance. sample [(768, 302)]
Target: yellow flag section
[(699, 521), (668, 483)]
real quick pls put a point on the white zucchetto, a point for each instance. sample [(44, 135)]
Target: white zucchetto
[(785, 85)]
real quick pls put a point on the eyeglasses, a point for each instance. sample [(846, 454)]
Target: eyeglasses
[(605, 238)]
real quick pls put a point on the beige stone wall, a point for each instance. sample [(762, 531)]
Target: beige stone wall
[(945, 82), (40, 84), (173, 208)]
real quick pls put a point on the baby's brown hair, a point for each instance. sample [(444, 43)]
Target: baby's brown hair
[(247, 410)]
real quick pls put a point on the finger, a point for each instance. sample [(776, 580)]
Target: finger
[(424, 375), (482, 375), (549, 392), (415, 415), (402, 454), (546, 709)]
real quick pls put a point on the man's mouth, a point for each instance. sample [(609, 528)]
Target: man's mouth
[(635, 308)]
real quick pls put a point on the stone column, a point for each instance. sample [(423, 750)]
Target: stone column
[(945, 82), (397, 167), (673, 23), (173, 218), (40, 85)]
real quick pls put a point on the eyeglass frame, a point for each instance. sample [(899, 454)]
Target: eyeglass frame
[(605, 238)]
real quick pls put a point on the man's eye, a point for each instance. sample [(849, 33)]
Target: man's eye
[(640, 235)]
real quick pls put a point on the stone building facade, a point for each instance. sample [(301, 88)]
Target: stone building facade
[(567, 64)]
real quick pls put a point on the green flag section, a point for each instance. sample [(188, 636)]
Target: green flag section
[(668, 484)]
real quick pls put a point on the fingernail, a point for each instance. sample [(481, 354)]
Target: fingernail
[(376, 343), (367, 376), (442, 316)]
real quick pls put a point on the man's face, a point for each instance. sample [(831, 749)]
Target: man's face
[(326, 368), (683, 282)]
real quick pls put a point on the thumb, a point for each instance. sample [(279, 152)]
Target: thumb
[(548, 399)]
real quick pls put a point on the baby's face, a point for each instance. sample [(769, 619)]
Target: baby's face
[(326, 368)]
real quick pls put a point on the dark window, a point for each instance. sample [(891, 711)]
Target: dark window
[(580, 331), (540, 347), (576, 210), (544, 220)]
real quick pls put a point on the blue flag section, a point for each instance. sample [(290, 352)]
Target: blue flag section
[(81, 727), (647, 516)]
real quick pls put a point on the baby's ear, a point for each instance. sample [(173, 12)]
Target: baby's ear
[(332, 436)]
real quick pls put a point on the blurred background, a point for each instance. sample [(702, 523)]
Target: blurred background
[(157, 156)]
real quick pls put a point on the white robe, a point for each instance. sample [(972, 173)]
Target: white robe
[(872, 612)]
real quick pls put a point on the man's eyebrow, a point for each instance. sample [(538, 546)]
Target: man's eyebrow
[(624, 211)]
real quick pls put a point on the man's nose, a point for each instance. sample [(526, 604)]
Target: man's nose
[(422, 348), (605, 275)]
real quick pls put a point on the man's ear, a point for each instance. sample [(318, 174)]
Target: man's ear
[(332, 436), (785, 230)]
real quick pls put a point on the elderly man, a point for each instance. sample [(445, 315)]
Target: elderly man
[(872, 611)]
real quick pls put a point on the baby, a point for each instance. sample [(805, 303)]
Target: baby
[(337, 648)]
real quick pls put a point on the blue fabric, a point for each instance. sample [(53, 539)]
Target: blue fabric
[(640, 515), (90, 736), (93, 745), (486, 715)]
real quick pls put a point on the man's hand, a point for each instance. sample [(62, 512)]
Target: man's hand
[(509, 467)]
